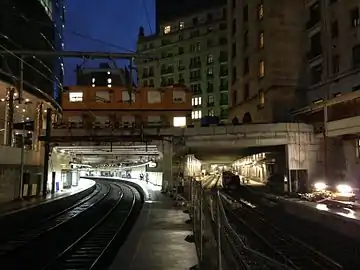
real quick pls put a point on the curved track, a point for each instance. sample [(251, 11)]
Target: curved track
[(57, 240)]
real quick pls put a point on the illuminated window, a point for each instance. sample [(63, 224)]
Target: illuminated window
[(76, 96), (167, 29), (262, 69), (179, 121), (358, 148), (261, 99), (196, 101), (261, 11), (196, 114), (181, 25), (261, 40)]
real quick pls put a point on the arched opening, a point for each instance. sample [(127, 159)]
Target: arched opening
[(247, 118)]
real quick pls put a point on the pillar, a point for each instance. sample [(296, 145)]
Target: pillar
[(167, 150), (39, 118), (9, 117)]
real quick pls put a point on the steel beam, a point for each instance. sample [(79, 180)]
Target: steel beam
[(76, 54)]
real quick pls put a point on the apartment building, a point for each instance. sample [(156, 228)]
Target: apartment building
[(191, 50), (333, 85), (266, 57)]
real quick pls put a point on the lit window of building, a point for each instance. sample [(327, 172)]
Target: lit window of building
[(261, 11), (181, 25), (261, 98), (262, 69), (261, 40), (196, 101), (76, 96), (167, 29), (196, 114), (179, 121)]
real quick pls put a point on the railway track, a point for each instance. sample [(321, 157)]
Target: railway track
[(38, 247), (281, 245)]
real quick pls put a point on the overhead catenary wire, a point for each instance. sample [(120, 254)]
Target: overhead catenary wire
[(147, 15)]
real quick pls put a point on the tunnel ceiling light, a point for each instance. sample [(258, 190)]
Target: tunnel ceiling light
[(3, 99), (17, 106), (27, 100)]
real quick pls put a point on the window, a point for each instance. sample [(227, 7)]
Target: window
[(261, 69), (334, 29), (234, 98), (196, 114), (196, 101), (167, 29), (246, 39), (210, 87), (246, 13), (181, 25), (154, 97), (246, 66), (102, 96), (76, 96), (261, 99), (126, 97), (210, 72), (260, 11), (316, 74), (153, 120), (101, 119), (179, 96), (179, 121), (211, 112), (355, 17), (246, 91), (335, 64), (211, 100), (261, 40), (128, 120), (358, 148), (210, 59), (356, 55)]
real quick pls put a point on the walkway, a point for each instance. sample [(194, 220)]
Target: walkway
[(156, 241), (19, 205)]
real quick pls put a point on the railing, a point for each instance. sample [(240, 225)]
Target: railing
[(218, 244)]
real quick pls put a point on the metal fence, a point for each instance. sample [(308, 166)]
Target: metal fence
[(218, 245)]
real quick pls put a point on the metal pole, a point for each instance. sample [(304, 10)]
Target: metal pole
[(201, 224), (21, 86), (47, 150), (22, 161), (326, 175), (218, 230), (9, 117)]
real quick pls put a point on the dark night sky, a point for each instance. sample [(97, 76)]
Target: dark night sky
[(112, 21)]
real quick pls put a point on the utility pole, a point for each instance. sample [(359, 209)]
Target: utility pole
[(326, 42), (9, 116)]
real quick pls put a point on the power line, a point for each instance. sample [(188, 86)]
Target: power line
[(76, 33)]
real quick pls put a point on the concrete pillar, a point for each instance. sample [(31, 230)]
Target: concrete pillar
[(167, 150), (38, 126), (9, 117)]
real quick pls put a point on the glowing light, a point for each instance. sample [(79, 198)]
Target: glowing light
[(320, 186), (179, 121), (344, 188)]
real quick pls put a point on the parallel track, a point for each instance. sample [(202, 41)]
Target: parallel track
[(286, 248), (36, 248), (87, 251)]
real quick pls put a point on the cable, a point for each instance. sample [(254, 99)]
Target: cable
[(147, 15), (41, 62), (74, 33), (29, 65)]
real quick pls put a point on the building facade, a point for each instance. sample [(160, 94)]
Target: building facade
[(333, 85), (116, 107), (266, 52), (33, 25), (191, 50), (171, 10), (104, 75)]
